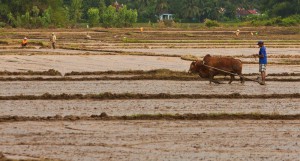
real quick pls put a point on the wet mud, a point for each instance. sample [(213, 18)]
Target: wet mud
[(68, 64), (127, 107), (145, 87), (153, 140)]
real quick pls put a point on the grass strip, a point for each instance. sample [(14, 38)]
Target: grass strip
[(164, 72), (50, 72), (131, 72), (189, 116), (113, 96)]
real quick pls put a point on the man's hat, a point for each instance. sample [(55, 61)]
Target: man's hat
[(260, 42), (52, 33), (25, 38)]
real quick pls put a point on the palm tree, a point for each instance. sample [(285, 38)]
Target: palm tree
[(144, 2), (191, 8), (162, 6), (75, 10), (140, 5), (209, 9)]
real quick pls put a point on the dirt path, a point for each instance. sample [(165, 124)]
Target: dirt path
[(153, 140), (144, 87), (132, 107)]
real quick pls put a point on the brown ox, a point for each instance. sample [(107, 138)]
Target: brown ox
[(212, 66)]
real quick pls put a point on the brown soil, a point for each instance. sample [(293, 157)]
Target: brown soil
[(66, 64), (128, 107), (153, 140), (145, 87)]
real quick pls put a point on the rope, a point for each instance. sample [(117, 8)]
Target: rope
[(254, 80)]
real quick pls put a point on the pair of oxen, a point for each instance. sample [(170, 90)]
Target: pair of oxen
[(211, 66)]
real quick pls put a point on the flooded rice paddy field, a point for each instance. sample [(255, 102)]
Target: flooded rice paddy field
[(209, 139)]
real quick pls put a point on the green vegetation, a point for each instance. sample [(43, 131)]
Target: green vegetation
[(73, 13), (50, 72), (264, 20), (188, 116), (211, 23), (112, 96), (93, 16), (64, 13), (130, 72), (121, 18)]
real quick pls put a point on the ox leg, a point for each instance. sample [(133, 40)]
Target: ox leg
[(242, 78), (231, 79), (211, 79)]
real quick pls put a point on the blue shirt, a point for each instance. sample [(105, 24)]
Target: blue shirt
[(263, 52)]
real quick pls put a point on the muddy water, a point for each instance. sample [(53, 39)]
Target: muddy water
[(144, 87), (131, 107), (153, 140)]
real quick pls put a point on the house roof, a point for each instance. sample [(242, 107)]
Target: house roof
[(252, 11), (166, 14), (244, 12)]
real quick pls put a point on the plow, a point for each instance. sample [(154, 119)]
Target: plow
[(258, 79)]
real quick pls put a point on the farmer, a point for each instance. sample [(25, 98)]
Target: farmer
[(262, 55), (237, 33), (53, 40), (24, 42)]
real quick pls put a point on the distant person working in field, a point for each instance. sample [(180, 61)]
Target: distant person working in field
[(262, 55), (53, 40), (237, 33), (24, 42)]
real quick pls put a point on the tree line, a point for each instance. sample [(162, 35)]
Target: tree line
[(62, 13)]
